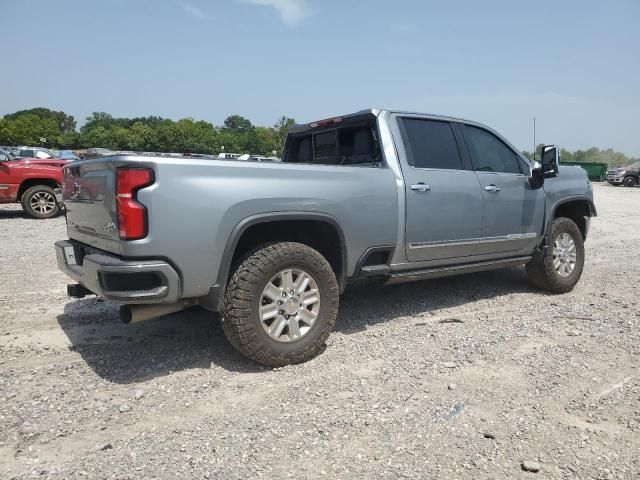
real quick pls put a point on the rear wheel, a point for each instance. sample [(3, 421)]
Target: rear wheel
[(560, 267), (629, 182), (281, 304), (39, 201)]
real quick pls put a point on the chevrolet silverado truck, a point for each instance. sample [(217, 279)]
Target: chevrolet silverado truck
[(385, 195), (33, 184)]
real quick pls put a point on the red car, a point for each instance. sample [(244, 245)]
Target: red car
[(34, 184)]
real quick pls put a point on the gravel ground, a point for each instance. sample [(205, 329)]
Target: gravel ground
[(477, 376)]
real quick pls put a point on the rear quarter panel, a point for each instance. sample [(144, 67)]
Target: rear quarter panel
[(195, 205)]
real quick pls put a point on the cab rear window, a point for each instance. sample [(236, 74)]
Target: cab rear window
[(351, 144), (325, 147)]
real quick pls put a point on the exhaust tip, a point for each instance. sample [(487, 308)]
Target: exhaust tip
[(135, 313), (125, 314)]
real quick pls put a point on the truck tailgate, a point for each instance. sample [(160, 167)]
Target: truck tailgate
[(88, 190)]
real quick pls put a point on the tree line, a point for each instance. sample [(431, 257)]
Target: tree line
[(609, 156), (156, 134), (148, 134)]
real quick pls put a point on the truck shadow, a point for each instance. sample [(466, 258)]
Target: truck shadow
[(368, 305), (194, 339), (4, 213), (19, 213)]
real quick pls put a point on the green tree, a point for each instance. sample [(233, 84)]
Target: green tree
[(64, 123), (27, 129), (281, 128), (141, 137), (237, 124), (263, 141), (98, 119)]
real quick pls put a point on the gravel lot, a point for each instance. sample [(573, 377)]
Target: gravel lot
[(465, 377)]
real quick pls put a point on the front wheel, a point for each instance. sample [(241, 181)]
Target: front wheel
[(281, 304), (39, 201), (629, 182), (560, 267)]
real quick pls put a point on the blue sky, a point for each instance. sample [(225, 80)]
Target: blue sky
[(574, 65)]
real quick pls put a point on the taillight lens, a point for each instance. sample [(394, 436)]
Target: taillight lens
[(132, 217)]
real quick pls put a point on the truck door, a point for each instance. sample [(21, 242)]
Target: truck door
[(7, 189), (443, 197), (512, 212)]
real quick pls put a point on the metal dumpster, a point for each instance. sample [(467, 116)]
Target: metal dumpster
[(596, 172)]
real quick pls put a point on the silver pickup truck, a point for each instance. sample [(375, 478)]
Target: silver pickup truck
[(388, 195)]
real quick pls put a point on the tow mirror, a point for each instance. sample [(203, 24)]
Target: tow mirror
[(550, 162), (548, 167)]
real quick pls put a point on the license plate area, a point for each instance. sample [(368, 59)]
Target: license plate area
[(69, 253)]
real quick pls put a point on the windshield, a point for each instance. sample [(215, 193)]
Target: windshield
[(635, 165), (7, 153)]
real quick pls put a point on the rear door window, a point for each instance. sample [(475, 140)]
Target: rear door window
[(431, 144)]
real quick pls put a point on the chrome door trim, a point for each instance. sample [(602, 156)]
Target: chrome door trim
[(475, 241)]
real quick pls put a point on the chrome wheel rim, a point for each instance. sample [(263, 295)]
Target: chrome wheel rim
[(564, 255), (42, 202), (289, 305)]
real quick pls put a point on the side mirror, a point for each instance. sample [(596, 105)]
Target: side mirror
[(550, 162)]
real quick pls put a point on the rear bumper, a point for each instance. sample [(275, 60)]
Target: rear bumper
[(116, 279)]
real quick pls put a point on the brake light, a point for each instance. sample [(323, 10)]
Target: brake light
[(132, 216), (326, 122)]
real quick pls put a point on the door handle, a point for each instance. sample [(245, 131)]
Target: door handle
[(492, 188), (421, 187)]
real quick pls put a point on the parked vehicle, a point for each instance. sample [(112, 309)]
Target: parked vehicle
[(628, 175), (67, 155), (40, 156), (378, 194), (36, 152), (90, 153), (34, 185), (13, 150)]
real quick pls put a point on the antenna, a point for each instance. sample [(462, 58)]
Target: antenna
[(534, 139)]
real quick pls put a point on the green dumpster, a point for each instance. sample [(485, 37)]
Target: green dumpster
[(595, 171)]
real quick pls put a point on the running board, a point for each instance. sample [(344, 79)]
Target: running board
[(437, 272)]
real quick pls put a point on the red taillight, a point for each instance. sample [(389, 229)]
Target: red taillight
[(132, 217)]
